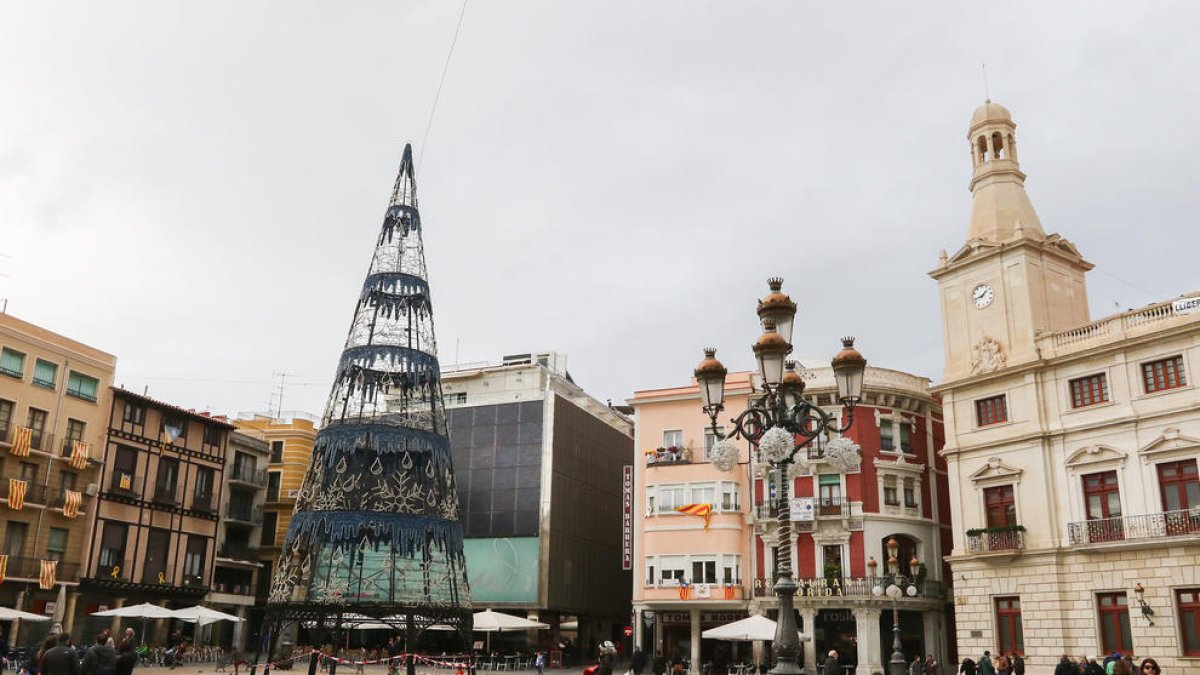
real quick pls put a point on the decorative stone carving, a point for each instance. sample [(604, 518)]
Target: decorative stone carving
[(989, 356)]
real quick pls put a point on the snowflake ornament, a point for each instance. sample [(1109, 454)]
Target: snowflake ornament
[(776, 445)]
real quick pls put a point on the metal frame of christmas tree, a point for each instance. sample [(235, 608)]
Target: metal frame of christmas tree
[(376, 531)]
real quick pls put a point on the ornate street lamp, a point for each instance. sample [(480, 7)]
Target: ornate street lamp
[(899, 585), (780, 423)]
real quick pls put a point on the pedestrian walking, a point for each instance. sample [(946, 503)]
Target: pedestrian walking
[(985, 664), (539, 662), (831, 667), (61, 659), (126, 658), (659, 667), (1018, 663), (100, 659), (916, 666), (638, 663), (967, 667), (1003, 665), (932, 667)]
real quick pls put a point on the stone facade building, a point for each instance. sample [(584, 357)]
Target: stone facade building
[(690, 576), (1071, 444), (54, 404)]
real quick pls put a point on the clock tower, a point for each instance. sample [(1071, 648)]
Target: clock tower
[(1010, 281)]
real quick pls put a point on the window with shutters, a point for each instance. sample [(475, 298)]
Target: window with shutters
[(1089, 390), (1163, 374), (82, 386), (45, 373), (993, 410)]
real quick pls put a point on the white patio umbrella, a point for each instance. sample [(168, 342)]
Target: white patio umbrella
[(756, 627), (202, 616), (142, 611), (7, 614), (489, 622)]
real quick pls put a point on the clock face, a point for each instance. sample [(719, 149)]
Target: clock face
[(982, 295)]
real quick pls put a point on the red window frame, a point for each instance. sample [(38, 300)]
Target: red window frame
[(1163, 374), (1188, 602), (1001, 506), (1102, 505), (1008, 625), (1114, 615), (1176, 478), (993, 410), (1090, 390)]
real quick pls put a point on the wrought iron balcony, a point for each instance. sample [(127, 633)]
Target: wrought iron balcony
[(671, 455), (203, 502), (114, 571), (1149, 526), (165, 493), (21, 567), (831, 506), (244, 514), (124, 483), (995, 540), (248, 475), (35, 494), (236, 552)]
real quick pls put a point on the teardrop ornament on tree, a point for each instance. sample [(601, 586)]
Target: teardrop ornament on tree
[(376, 467), (407, 462)]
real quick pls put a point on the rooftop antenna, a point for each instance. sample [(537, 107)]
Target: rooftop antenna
[(987, 97), (277, 395)]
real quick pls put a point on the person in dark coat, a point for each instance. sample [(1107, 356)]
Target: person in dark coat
[(967, 667), (1065, 667), (638, 663), (831, 667), (61, 660), (100, 659), (916, 665), (659, 667), (126, 659)]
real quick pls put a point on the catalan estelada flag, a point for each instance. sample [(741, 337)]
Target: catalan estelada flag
[(3, 567), (79, 454), (126, 481), (702, 510), (685, 590), (71, 503), (22, 440), (16, 493), (48, 576), (729, 593)]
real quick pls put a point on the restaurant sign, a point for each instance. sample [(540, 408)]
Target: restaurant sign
[(627, 517), (706, 618)]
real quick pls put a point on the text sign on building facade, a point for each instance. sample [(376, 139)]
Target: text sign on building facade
[(1186, 305), (627, 517), (801, 508)]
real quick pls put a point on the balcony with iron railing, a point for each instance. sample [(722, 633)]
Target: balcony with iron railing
[(113, 567), (249, 476), (1007, 539), (243, 514), (238, 552), (166, 493), (831, 506), (20, 567), (1181, 523), (204, 503), (125, 484), (35, 494), (670, 455)]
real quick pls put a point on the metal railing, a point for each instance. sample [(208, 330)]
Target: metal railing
[(34, 493), (235, 552), (166, 493), (987, 542), (118, 483), (22, 567), (669, 456), (831, 506), (244, 514), (203, 502), (1149, 526), (248, 474), (120, 571)]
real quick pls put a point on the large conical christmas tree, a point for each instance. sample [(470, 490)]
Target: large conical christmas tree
[(376, 528)]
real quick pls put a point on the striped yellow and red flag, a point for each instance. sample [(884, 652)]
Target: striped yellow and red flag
[(16, 493), (49, 574), (71, 503), (729, 592), (126, 482), (22, 441), (702, 510), (79, 454), (3, 567), (685, 590)]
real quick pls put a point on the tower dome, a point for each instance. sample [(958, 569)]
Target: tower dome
[(1000, 209)]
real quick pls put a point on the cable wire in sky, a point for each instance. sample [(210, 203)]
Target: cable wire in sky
[(438, 95)]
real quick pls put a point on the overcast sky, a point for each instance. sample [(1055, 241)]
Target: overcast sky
[(197, 187)]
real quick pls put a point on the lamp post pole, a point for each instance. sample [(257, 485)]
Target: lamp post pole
[(782, 426)]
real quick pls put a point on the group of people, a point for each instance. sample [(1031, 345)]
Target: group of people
[(59, 655), (1114, 664), (1013, 664)]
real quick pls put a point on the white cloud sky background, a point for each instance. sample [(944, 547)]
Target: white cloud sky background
[(196, 187)]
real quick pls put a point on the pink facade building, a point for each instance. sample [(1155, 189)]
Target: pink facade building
[(693, 573)]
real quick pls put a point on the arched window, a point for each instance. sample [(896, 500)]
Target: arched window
[(998, 151), (908, 550), (1012, 148), (981, 153)]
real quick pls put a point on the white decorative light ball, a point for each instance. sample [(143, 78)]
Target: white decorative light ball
[(776, 445), (912, 591), (843, 454), (723, 455)]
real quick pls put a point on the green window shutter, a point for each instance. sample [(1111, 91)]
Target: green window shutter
[(82, 386), (45, 373), (12, 363)]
